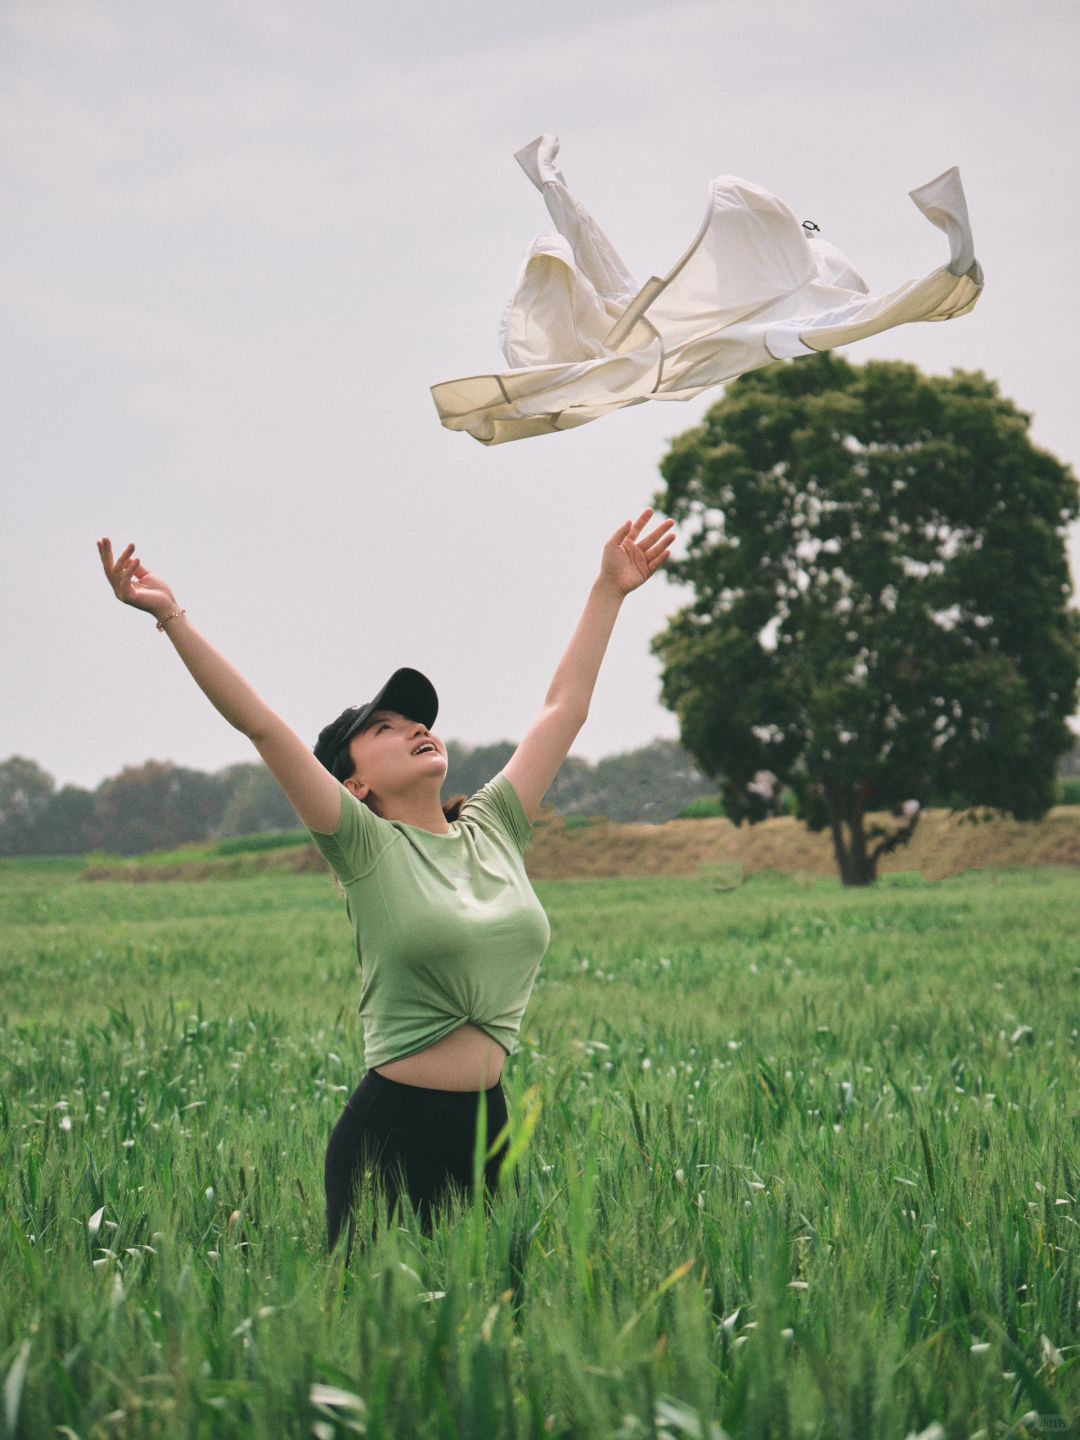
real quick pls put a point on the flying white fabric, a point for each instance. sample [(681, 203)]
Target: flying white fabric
[(582, 338)]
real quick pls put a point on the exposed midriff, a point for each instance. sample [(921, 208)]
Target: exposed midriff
[(466, 1059)]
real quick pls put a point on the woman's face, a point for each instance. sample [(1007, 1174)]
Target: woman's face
[(393, 754)]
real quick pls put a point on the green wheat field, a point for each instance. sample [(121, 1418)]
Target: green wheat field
[(789, 1161)]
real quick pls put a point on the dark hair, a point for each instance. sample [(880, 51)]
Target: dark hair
[(329, 749)]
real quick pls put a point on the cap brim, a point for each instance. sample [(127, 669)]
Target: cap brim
[(407, 692)]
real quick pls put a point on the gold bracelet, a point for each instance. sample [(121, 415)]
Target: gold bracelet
[(166, 618)]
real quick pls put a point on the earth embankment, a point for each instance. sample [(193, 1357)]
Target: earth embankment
[(944, 844)]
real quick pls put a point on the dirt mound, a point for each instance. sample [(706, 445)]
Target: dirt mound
[(944, 844)]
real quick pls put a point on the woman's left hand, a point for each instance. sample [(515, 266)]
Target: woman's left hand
[(630, 557)]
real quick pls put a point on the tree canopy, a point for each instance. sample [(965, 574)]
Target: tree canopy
[(158, 805), (881, 607)]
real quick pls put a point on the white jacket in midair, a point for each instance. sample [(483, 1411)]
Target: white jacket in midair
[(582, 338)]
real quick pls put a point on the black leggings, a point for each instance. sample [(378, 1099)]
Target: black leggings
[(419, 1143)]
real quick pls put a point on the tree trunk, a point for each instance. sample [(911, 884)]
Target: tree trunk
[(861, 868), (856, 864), (856, 859), (839, 847)]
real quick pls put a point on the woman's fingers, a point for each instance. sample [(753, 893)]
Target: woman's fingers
[(126, 573), (633, 529), (112, 566), (664, 530), (645, 553), (116, 567)]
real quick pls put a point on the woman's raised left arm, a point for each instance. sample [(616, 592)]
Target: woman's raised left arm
[(629, 560)]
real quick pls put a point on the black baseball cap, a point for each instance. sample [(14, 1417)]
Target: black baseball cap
[(407, 691)]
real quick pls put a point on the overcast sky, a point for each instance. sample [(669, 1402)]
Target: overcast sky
[(242, 238)]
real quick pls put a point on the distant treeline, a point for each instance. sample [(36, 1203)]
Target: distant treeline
[(159, 805)]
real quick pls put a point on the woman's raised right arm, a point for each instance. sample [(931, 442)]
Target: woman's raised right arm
[(311, 790)]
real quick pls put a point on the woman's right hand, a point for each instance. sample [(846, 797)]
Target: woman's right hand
[(132, 583), (311, 789)]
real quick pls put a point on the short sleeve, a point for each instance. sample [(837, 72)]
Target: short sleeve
[(358, 841), (497, 806)]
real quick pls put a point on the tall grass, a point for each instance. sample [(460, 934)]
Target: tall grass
[(805, 1163)]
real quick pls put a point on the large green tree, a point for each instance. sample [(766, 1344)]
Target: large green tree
[(881, 607), (157, 805)]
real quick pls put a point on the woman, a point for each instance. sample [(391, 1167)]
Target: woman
[(448, 930)]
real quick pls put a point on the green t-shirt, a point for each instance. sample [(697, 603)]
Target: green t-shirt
[(448, 928)]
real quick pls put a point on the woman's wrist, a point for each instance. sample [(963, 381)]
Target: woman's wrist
[(165, 615), (608, 589)]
